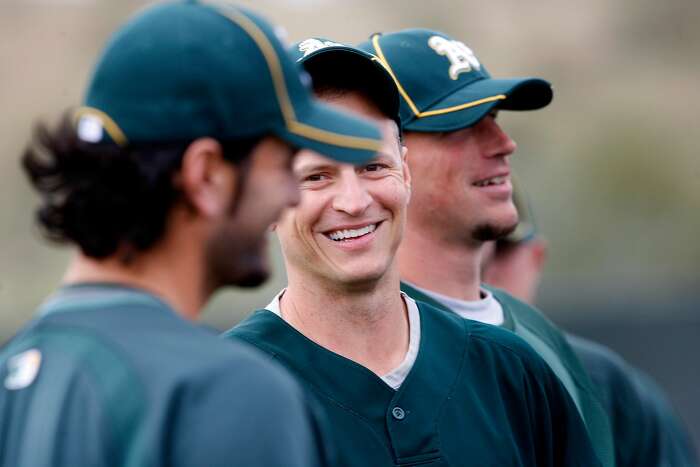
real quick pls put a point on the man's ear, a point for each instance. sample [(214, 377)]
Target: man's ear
[(206, 179)]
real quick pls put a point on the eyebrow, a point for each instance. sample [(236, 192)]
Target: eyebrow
[(312, 166), (381, 156)]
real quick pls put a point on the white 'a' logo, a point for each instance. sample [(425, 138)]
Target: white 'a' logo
[(22, 369), (312, 45), (461, 57)]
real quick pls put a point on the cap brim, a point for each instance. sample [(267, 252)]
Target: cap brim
[(333, 133), (333, 49), (466, 106)]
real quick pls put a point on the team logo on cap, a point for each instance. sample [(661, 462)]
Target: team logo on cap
[(90, 128), (22, 369), (312, 45), (461, 57)]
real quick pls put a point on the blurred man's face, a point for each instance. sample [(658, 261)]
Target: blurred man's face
[(515, 267), (237, 250), (350, 220), (461, 189)]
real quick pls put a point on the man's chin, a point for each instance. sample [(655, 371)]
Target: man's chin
[(364, 280)]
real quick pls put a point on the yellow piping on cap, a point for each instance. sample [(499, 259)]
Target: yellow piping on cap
[(108, 124), (409, 101), (273, 64), (466, 105), (380, 54), (328, 137)]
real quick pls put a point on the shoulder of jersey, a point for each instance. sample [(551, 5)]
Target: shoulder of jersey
[(484, 334)]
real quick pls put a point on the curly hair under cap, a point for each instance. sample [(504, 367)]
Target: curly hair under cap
[(103, 197)]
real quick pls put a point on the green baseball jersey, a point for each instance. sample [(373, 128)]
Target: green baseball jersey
[(476, 395), (550, 343), (648, 432), (111, 376)]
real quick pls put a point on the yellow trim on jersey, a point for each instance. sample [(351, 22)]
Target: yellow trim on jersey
[(409, 101), (108, 124), (273, 64)]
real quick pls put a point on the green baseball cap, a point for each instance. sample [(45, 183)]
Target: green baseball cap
[(443, 85), (345, 66), (182, 70)]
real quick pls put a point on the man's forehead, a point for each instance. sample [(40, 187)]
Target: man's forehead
[(306, 158)]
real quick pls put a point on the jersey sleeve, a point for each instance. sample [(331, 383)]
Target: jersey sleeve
[(648, 431), (563, 436), (253, 416)]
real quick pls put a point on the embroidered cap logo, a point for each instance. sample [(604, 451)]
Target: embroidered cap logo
[(312, 45), (461, 57)]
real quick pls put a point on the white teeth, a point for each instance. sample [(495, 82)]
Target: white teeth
[(492, 181), (352, 233)]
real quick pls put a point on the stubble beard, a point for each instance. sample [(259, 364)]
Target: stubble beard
[(235, 261)]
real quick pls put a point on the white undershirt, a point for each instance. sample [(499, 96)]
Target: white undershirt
[(396, 376), (487, 310)]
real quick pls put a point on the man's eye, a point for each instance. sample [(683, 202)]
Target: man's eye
[(314, 178), (374, 167)]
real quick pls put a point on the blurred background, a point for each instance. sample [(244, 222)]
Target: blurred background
[(611, 167)]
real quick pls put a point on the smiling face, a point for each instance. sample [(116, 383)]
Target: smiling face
[(462, 191), (350, 220)]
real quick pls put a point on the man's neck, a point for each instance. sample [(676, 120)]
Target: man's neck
[(449, 269), (154, 275), (368, 326)]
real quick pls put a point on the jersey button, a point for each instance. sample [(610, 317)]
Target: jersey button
[(398, 413)]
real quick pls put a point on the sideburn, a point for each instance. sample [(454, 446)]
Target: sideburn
[(242, 170)]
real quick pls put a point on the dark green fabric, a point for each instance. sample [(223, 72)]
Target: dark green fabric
[(648, 432), (476, 395), (188, 69), (447, 86), (550, 343), (126, 382), (109, 382)]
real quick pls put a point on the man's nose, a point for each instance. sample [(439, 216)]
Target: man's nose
[(352, 196), (499, 144)]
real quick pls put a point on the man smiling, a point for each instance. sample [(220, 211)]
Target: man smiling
[(402, 383), (165, 189), (460, 158)]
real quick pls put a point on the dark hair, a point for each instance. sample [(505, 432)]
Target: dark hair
[(102, 196)]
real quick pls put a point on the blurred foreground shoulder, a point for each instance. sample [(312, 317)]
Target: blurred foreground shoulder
[(244, 409)]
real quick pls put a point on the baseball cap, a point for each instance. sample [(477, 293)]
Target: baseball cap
[(342, 65), (186, 69), (443, 85)]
